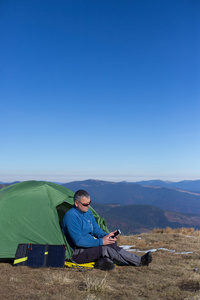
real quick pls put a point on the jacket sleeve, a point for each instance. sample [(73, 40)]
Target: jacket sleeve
[(80, 239), (97, 231)]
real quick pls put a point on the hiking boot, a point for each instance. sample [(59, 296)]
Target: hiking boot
[(146, 259), (104, 264)]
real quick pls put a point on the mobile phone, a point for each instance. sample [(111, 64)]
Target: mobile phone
[(116, 233)]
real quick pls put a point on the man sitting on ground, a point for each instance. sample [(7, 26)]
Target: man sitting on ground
[(90, 243)]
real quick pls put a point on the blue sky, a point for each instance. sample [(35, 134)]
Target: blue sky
[(102, 89)]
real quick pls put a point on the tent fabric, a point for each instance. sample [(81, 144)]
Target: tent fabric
[(31, 212)]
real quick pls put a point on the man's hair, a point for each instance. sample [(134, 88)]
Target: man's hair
[(79, 194)]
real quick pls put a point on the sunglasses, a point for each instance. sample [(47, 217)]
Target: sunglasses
[(85, 204)]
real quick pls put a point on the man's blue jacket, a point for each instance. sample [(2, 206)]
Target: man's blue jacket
[(81, 229)]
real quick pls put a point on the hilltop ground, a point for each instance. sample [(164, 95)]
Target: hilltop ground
[(171, 275)]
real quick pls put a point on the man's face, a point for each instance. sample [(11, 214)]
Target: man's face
[(80, 206)]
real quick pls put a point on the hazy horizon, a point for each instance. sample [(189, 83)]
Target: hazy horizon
[(83, 178)]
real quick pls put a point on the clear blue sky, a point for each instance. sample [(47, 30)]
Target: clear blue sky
[(102, 89)]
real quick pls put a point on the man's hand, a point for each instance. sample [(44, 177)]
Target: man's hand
[(107, 240)]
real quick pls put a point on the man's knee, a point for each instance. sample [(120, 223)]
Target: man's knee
[(88, 255)]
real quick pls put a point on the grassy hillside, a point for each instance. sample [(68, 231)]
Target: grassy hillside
[(171, 275)]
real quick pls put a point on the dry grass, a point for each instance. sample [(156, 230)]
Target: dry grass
[(186, 231), (94, 285), (56, 279), (170, 276)]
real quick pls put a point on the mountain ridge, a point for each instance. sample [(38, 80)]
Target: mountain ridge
[(189, 185), (104, 192), (135, 208), (134, 219)]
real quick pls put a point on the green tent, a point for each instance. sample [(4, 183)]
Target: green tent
[(31, 212)]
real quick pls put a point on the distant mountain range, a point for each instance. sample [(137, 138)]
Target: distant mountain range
[(125, 193), (7, 183), (172, 196), (142, 206), (134, 219), (187, 185)]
